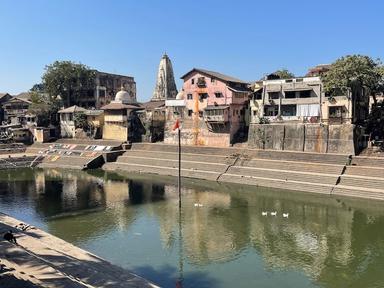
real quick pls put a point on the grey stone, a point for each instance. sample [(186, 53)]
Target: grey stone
[(165, 83), (316, 138)]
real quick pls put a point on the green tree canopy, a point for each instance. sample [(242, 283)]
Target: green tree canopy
[(346, 71), (45, 108), (284, 74), (69, 80)]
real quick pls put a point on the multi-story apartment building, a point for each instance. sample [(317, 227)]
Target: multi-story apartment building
[(106, 87), (302, 100), (215, 106)]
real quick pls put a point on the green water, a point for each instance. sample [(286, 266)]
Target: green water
[(133, 221)]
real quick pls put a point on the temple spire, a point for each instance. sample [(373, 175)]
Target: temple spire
[(165, 83)]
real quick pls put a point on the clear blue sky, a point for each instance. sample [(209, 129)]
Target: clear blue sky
[(244, 39)]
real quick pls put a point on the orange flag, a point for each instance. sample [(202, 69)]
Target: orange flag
[(177, 125)]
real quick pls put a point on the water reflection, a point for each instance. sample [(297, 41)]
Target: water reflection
[(333, 242)]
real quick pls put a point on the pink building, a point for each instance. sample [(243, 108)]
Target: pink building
[(215, 108)]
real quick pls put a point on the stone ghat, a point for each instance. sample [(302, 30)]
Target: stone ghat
[(332, 174), (47, 261), (67, 153), (19, 160)]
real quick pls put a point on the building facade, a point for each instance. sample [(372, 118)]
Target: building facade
[(120, 118), (106, 87), (214, 111)]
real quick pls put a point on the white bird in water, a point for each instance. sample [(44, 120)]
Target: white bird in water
[(264, 213), (273, 213), (285, 215)]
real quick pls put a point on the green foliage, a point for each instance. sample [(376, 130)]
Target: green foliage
[(80, 120), (284, 74), (69, 80), (44, 108), (351, 70), (264, 120), (375, 123)]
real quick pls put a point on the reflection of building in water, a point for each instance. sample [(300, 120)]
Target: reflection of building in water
[(314, 233), (306, 239), (65, 191), (207, 233)]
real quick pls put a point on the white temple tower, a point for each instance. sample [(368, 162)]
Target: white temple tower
[(165, 84)]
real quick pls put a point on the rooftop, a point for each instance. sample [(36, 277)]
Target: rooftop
[(72, 109), (214, 74), (120, 106)]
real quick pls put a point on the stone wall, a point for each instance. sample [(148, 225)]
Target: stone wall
[(115, 132), (305, 137)]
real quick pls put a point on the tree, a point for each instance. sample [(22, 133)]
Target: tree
[(80, 120), (45, 108), (284, 74), (351, 70), (70, 80), (375, 123)]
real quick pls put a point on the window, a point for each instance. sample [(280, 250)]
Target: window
[(212, 80), (189, 113), (290, 94), (289, 81), (288, 110), (234, 112), (271, 110), (189, 96), (219, 95), (299, 80), (336, 112), (254, 112), (257, 95), (101, 93), (274, 95), (203, 96), (305, 94), (200, 114), (192, 81)]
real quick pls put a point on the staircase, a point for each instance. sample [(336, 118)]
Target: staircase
[(311, 172)]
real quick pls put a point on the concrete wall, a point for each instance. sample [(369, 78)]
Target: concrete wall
[(115, 132), (341, 139), (293, 137), (316, 138), (304, 137)]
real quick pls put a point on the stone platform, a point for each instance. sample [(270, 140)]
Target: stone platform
[(42, 260), (331, 174)]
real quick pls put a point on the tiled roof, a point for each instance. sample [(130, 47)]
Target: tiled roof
[(153, 104), (214, 74), (119, 106), (72, 109)]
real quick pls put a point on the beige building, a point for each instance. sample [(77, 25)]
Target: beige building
[(302, 100), (120, 119), (67, 123)]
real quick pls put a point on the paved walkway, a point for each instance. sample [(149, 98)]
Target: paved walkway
[(47, 261)]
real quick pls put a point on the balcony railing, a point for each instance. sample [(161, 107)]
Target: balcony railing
[(215, 118)]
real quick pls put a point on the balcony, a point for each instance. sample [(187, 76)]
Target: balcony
[(201, 82), (215, 118)]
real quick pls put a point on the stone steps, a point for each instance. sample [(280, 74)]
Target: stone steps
[(341, 190), (292, 166), (194, 165), (250, 153), (174, 156), (368, 161), (284, 175), (161, 170), (277, 183), (365, 171), (362, 182)]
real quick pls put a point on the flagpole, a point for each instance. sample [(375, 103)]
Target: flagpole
[(179, 176)]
